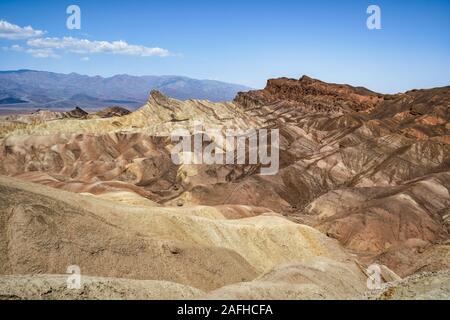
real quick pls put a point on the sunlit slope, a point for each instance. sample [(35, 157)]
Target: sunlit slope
[(158, 117), (44, 230)]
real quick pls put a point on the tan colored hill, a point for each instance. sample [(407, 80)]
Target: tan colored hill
[(54, 287), (423, 286), (45, 230), (158, 117), (368, 173), (316, 279)]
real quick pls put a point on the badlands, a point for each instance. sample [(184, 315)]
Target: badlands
[(364, 179)]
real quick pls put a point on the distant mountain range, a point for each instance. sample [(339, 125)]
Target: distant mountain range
[(41, 89)]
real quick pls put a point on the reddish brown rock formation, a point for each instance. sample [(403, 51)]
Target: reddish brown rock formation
[(310, 95)]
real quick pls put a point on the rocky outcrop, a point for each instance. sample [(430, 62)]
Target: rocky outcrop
[(309, 95), (54, 287), (368, 169), (114, 111), (422, 286)]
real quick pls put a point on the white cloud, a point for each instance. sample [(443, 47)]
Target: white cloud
[(84, 46), (42, 53), (14, 32), (14, 47), (37, 53), (41, 47)]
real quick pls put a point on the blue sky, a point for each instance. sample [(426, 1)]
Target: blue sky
[(243, 42)]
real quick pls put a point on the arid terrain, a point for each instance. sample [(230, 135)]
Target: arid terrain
[(364, 179)]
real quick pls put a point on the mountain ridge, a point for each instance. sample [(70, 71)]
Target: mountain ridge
[(44, 89)]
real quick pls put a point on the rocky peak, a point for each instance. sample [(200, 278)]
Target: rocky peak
[(310, 95), (158, 97), (76, 113)]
